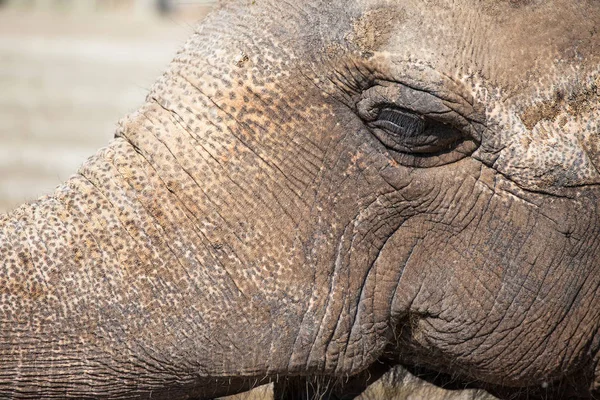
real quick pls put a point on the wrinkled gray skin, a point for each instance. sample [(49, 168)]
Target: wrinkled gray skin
[(258, 219)]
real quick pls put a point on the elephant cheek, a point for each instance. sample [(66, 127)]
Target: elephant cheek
[(398, 281)]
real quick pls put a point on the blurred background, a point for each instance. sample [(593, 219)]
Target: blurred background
[(69, 70)]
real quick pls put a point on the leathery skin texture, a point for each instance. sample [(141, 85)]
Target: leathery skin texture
[(316, 191)]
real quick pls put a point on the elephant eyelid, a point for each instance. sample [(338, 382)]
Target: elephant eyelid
[(417, 127), (408, 132), (400, 122)]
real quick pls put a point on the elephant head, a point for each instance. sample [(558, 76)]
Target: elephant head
[(315, 188)]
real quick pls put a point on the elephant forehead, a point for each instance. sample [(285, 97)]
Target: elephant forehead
[(515, 44)]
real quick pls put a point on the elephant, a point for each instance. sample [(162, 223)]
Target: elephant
[(316, 192)]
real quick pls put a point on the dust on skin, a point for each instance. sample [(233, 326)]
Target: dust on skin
[(580, 100), (385, 17)]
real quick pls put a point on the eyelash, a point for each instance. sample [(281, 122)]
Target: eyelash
[(410, 133), (400, 122)]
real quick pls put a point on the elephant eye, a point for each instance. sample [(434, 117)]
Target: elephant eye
[(407, 132)]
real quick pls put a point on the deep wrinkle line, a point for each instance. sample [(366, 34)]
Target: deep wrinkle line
[(196, 222)]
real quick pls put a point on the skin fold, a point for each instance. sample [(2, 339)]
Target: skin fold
[(261, 218)]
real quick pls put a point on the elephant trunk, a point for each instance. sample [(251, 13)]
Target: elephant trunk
[(131, 278)]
